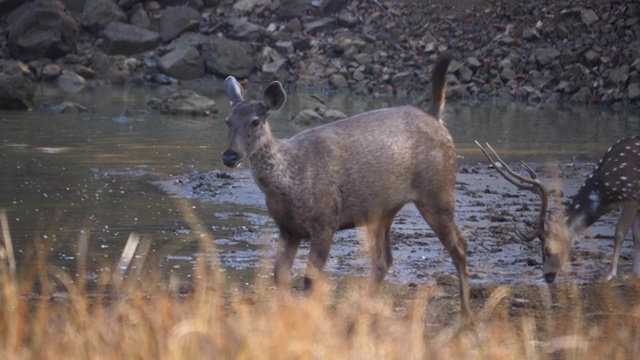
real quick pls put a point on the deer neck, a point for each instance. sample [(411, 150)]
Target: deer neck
[(267, 162), (587, 206)]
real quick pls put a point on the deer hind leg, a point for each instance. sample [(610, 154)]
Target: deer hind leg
[(378, 234), (627, 215), (635, 230), (440, 217)]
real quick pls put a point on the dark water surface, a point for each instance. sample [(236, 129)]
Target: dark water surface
[(66, 174)]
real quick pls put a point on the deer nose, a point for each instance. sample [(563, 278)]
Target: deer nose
[(549, 277), (229, 158)]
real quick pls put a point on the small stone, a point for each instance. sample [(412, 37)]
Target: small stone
[(588, 16)]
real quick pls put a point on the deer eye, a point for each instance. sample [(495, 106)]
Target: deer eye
[(255, 122)]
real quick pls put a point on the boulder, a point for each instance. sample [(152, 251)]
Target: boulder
[(125, 39), (106, 69), (290, 9), (183, 63), (6, 6), (226, 57), (16, 92), (97, 14), (176, 20), (43, 30), (184, 102), (243, 29), (545, 56), (69, 107)]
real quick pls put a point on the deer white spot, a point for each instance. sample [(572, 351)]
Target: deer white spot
[(576, 206), (594, 197), (623, 178)]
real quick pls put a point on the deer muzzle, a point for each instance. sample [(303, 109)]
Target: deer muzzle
[(230, 158)]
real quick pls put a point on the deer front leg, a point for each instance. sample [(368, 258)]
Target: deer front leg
[(288, 248), (635, 230), (319, 247), (627, 214)]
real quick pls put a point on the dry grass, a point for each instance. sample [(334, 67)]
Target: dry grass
[(129, 319)]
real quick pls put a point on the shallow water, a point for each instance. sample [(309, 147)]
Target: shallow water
[(63, 175)]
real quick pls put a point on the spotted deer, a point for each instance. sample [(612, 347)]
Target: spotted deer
[(356, 172), (613, 184)]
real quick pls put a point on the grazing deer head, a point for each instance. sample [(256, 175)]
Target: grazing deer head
[(614, 183)]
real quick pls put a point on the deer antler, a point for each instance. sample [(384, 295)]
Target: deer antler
[(532, 184)]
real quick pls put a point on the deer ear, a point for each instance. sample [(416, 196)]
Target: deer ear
[(274, 96), (234, 90)]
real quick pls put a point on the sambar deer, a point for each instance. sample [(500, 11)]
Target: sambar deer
[(614, 183), (356, 172)]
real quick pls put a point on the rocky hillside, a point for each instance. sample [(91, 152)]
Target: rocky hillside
[(581, 51)]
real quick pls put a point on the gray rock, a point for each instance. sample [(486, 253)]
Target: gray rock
[(176, 20), (50, 72), (6, 6), (321, 24), (507, 74), (583, 96), (331, 6), (545, 56), (68, 107), (125, 39), (307, 117), (183, 63), (274, 66), (289, 9), (184, 102), (348, 19), (285, 47), (588, 16), (591, 57), (140, 18), (16, 92), (620, 74), (70, 80), (42, 30), (97, 14), (465, 73), (226, 57), (473, 63), (530, 34), (195, 40), (633, 91), (338, 81), (243, 29), (245, 6), (106, 68)]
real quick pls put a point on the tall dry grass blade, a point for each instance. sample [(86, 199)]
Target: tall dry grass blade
[(205, 238), (128, 253), (83, 250), (8, 245), (137, 263)]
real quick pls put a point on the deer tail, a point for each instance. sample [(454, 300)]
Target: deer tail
[(439, 80)]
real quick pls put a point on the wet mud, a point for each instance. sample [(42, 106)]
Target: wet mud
[(488, 209)]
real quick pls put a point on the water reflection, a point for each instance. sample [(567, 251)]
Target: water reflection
[(61, 174)]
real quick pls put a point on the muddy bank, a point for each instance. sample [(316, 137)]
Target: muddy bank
[(487, 209)]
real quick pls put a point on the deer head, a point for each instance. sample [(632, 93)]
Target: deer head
[(247, 121), (552, 230)]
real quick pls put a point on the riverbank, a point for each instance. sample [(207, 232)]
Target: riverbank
[(577, 52)]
